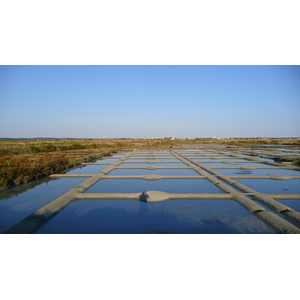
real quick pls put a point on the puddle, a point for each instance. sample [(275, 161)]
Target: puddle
[(162, 172), (171, 216), (163, 185), (269, 186), (18, 207)]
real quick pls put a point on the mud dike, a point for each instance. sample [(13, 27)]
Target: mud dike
[(207, 163)]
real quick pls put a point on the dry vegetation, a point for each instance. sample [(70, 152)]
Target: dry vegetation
[(22, 161), (25, 161)]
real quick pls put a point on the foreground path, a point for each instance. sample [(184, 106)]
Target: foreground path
[(210, 169)]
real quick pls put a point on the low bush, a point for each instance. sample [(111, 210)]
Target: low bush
[(20, 169), (34, 149), (76, 146)]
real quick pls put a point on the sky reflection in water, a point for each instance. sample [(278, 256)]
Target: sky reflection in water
[(269, 186), (19, 207), (171, 216), (164, 185), (162, 172), (257, 172)]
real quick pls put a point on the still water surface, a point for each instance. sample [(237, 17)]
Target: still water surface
[(246, 164), (179, 164), (294, 204), (171, 216), (257, 172), (88, 169), (107, 160), (163, 185), (269, 186), (162, 172), (20, 206)]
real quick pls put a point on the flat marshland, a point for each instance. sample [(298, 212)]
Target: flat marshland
[(182, 186), (23, 161)]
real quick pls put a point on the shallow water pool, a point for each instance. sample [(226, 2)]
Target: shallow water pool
[(171, 216), (269, 186), (235, 164), (179, 164), (153, 159), (257, 172), (42, 193), (221, 159), (294, 204), (162, 172), (163, 185), (88, 169), (107, 160)]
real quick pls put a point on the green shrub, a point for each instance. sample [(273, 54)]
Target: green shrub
[(94, 146), (48, 148), (34, 149), (62, 148), (15, 170), (18, 181), (3, 152), (26, 179), (76, 146), (274, 142)]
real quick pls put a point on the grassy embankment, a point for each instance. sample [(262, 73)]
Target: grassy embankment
[(22, 161)]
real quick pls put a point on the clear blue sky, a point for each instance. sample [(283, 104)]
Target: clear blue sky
[(149, 101)]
